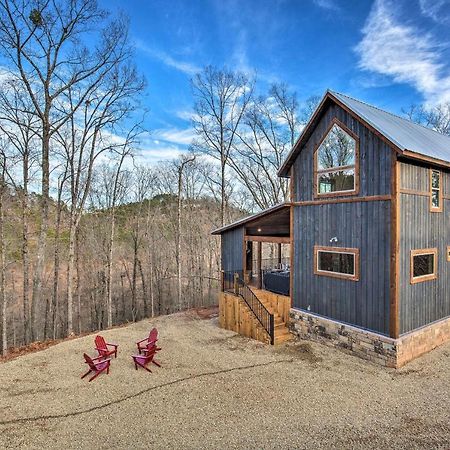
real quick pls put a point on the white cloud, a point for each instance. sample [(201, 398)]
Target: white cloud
[(404, 53), (174, 135), (183, 66), (437, 10)]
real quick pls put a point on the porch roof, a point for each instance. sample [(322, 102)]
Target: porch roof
[(274, 221)]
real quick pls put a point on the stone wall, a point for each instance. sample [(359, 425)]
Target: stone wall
[(368, 345)]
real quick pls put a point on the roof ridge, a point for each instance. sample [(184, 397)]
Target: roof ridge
[(390, 113)]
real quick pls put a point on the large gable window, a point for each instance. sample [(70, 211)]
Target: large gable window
[(336, 162)]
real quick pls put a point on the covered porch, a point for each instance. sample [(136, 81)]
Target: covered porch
[(258, 248)]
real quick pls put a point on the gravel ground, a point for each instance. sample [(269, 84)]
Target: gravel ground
[(219, 390)]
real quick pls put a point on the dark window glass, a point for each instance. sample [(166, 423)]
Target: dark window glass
[(336, 262), (336, 181), (336, 162), (423, 265), (435, 189), (336, 150)]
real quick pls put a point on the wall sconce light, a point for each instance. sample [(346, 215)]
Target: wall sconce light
[(334, 239), (259, 230)]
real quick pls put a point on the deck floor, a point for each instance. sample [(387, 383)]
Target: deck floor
[(216, 390)]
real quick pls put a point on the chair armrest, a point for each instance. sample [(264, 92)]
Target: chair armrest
[(112, 345), (108, 360), (139, 342), (99, 357)]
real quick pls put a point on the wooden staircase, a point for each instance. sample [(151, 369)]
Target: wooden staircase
[(235, 315), (279, 306)]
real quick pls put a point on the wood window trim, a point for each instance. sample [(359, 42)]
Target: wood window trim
[(433, 208), (429, 277), (355, 191), (448, 253), (324, 273)]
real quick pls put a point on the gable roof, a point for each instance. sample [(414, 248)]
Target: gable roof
[(407, 137)]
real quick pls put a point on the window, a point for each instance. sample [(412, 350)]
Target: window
[(336, 162), (448, 253), (435, 191), (423, 265), (337, 262)]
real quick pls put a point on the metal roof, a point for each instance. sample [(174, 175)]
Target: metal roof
[(407, 136), (251, 218)]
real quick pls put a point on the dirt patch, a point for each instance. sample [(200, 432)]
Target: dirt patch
[(303, 351)]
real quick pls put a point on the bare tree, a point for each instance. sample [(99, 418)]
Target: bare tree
[(43, 43), (436, 117), (85, 138), (20, 127), (180, 166), (221, 99), (267, 132)]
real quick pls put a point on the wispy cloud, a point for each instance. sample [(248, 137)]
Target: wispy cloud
[(404, 53), (437, 10), (327, 4), (174, 135), (186, 67)]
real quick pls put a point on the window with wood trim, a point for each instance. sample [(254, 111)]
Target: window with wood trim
[(448, 253), (435, 191), (336, 162), (423, 265), (337, 262)]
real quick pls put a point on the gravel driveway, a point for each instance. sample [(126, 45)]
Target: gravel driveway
[(219, 390)]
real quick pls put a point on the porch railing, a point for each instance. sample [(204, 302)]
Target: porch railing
[(233, 281)]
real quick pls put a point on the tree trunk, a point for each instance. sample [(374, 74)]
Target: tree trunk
[(70, 276), (109, 269), (2, 275), (144, 289), (42, 242), (25, 255), (55, 299)]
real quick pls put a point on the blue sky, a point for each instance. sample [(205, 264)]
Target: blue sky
[(388, 53)]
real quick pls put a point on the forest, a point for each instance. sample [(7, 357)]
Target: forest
[(92, 236)]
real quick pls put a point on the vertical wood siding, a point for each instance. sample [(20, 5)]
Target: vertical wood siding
[(232, 242), (363, 225), (374, 155), (423, 303)]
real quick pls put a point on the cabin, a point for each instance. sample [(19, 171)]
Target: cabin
[(359, 257)]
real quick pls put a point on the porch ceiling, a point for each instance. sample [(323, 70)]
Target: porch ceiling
[(276, 224), (273, 222)]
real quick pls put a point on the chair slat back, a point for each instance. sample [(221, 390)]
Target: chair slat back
[(100, 343), (153, 336), (89, 362)]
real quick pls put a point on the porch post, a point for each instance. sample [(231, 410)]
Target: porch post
[(279, 255), (259, 261)]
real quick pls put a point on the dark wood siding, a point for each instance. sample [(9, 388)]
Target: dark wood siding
[(426, 302), (232, 249), (374, 158), (362, 225)]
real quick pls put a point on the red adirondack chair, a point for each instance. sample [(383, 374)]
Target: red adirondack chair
[(151, 339), (102, 347), (96, 365), (146, 358)]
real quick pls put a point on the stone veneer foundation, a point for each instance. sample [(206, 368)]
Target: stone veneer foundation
[(366, 344)]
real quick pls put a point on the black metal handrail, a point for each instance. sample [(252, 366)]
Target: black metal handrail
[(234, 282)]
